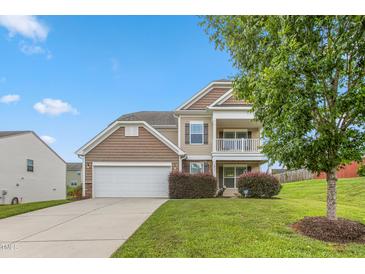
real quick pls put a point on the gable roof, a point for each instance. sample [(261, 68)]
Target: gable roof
[(12, 133), (227, 100), (116, 125), (4, 134), (218, 83), (74, 166), (154, 118)]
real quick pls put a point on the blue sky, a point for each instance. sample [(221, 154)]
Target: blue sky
[(67, 77)]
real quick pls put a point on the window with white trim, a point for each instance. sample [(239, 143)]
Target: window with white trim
[(235, 133), (196, 132), (196, 167), (30, 165), (231, 173)]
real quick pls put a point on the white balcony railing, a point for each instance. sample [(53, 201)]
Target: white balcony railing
[(238, 145)]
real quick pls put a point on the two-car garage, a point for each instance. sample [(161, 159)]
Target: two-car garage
[(131, 179)]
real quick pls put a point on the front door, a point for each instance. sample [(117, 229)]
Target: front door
[(231, 173)]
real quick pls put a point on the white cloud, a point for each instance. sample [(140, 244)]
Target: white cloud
[(48, 139), (54, 107), (25, 25), (31, 49), (10, 98)]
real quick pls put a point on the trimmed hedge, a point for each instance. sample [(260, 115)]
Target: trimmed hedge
[(191, 186), (258, 185)]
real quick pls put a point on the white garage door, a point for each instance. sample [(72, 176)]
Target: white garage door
[(131, 181)]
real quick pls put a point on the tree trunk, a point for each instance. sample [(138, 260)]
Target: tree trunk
[(331, 194)]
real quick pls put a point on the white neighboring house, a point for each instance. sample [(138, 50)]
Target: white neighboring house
[(30, 170)]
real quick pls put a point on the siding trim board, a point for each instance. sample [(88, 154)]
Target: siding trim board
[(117, 125), (205, 101), (132, 164), (222, 99)]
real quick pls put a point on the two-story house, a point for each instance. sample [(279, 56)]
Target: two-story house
[(211, 132)]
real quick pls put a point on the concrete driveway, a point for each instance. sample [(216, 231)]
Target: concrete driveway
[(88, 228)]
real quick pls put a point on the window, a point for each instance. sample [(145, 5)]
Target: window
[(30, 165), (235, 134), (231, 175), (78, 173), (196, 167), (196, 133), (131, 131)]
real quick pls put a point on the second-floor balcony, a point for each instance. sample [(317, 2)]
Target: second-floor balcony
[(243, 145)]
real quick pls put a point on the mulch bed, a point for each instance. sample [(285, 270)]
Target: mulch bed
[(338, 231)]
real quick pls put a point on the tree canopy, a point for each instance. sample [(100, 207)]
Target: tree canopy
[(304, 76)]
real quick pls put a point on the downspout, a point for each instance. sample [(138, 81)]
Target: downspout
[(181, 158)]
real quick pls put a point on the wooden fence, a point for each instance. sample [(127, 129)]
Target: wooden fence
[(294, 176)]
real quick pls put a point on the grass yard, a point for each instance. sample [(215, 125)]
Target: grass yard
[(247, 227), (11, 210)]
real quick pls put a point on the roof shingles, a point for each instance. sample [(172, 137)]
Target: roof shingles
[(154, 118)]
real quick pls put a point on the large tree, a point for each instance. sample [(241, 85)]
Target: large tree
[(305, 77)]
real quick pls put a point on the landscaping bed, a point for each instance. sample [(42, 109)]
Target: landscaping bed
[(337, 231)]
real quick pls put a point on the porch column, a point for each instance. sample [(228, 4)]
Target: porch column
[(260, 136), (214, 168), (214, 141)]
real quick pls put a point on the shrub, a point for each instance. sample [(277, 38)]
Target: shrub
[(258, 185), (190, 186), (74, 192), (361, 170)]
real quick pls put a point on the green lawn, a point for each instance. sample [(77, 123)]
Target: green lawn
[(11, 210), (247, 227)]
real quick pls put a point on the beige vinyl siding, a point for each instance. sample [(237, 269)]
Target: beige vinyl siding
[(46, 182), (169, 133), (201, 149), (208, 98), (118, 148), (233, 101)]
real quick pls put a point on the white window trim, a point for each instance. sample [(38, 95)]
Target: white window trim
[(196, 123), (200, 163), (235, 177), (32, 165)]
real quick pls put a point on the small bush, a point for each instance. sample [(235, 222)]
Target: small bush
[(74, 192), (191, 186), (258, 185), (361, 170)]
